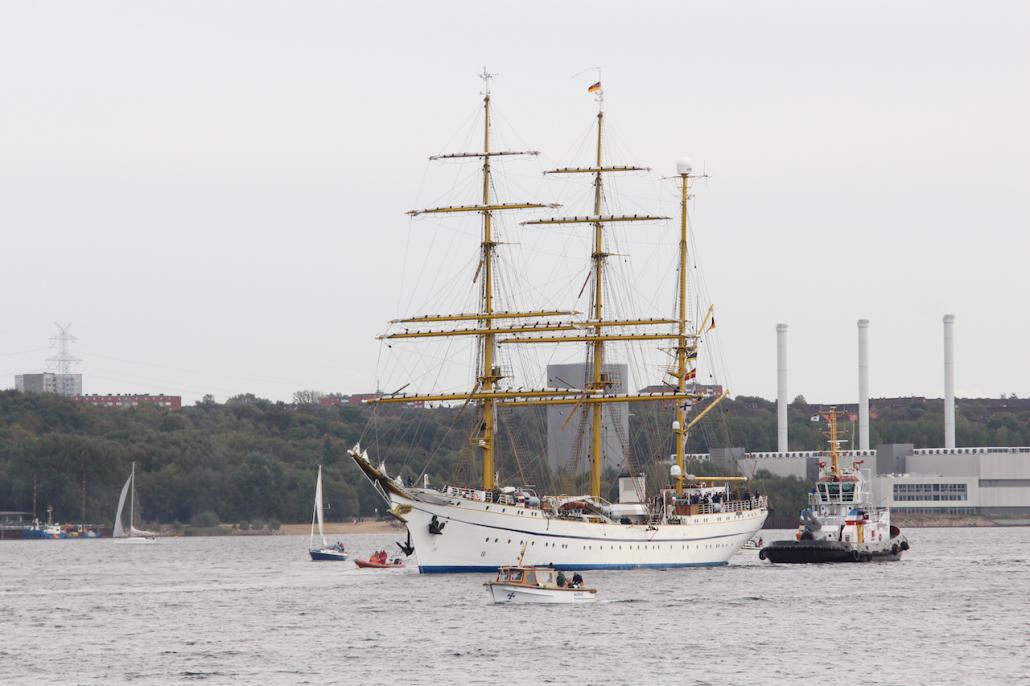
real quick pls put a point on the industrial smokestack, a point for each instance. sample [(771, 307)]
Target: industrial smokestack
[(949, 381), (863, 384), (781, 387)]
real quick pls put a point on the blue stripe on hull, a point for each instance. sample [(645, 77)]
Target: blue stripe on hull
[(458, 569)]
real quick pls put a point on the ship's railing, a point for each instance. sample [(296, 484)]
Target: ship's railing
[(486, 496), (816, 499), (754, 503)]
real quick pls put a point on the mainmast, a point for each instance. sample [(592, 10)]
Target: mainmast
[(597, 381), (599, 384)]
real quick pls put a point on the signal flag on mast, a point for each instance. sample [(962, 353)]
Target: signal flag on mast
[(594, 88)]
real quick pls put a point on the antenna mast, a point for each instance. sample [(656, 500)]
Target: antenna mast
[(63, 360)]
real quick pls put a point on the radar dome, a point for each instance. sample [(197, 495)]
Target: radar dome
[(674, 471), (684, 165)]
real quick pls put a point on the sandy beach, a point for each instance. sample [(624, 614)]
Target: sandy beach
[(365, 527)]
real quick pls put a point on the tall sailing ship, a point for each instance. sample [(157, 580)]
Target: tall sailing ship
[(689, 522)]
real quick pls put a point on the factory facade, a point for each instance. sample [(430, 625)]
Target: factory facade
[(983, 481)]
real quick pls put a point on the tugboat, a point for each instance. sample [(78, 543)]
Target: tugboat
[(841, 524)]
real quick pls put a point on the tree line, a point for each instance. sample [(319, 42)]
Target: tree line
[(253, 459)]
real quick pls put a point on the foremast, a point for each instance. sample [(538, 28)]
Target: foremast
[(489, 374), (486, 393)]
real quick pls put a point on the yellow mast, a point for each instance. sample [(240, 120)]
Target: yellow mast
[(597, 383), (831, 417), (489, 322), (488, 377), (486, 392), (680, 429)]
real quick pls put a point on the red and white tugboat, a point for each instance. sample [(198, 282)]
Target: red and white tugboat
[(841, 523)]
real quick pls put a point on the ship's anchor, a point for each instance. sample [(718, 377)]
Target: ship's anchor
[(436, 526), (406, 548)]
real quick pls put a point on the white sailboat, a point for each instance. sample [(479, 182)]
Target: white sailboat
[(132, 535), (478, 529), (326, 551)]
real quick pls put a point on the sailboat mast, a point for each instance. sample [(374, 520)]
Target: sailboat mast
[(132, 496), (597, 381), (681, 345)]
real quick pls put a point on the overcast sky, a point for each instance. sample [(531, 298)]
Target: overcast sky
[(213, 192)]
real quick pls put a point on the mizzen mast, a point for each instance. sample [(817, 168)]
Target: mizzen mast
[(684, 169)]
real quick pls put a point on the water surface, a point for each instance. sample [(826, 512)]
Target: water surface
[(256, 610)]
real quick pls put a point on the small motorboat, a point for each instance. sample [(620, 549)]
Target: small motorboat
[(375, 564), (520, 584)]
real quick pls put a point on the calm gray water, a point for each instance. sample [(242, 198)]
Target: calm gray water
[(256, 611)]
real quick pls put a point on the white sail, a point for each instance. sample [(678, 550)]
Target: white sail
[(129, 494), (318, 515), (119, 532)]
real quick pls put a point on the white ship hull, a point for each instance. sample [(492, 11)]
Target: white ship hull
[(480, 537)]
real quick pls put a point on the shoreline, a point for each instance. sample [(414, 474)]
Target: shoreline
[(382, 526)]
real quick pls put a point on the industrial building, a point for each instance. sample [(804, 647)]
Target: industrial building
[(989, 481), (567, 445)]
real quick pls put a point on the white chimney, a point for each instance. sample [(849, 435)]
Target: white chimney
[(781, 387), (949, 381), (863, 384)]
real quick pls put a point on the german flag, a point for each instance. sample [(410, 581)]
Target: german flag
[(595, 88)]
